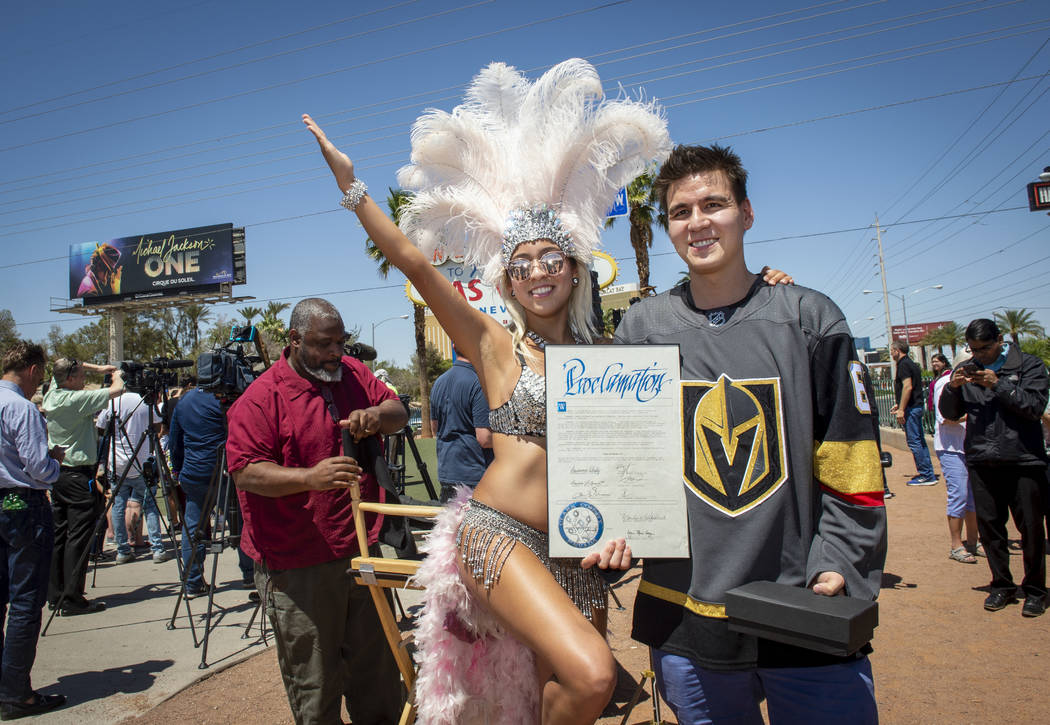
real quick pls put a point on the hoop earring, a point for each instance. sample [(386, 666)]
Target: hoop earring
[(575, 281)]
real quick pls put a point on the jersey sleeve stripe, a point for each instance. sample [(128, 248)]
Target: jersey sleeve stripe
[(848, 467), (860, 499)]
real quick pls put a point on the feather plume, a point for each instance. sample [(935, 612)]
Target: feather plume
[(512, 145)]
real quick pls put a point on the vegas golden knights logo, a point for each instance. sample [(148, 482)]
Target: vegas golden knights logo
[(734, 452)]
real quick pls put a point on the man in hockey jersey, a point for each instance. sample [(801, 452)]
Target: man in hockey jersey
[(781, 466)]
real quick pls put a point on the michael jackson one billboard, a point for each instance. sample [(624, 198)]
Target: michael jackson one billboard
[(151, 265)]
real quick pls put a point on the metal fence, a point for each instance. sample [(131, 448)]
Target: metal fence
[(884, 400)]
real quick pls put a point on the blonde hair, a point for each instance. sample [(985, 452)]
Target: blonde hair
[(581, 312)]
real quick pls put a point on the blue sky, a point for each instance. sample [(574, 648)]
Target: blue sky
[(124, 118)]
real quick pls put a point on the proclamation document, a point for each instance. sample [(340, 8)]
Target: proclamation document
[(614, 450)]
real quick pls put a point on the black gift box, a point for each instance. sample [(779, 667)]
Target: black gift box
[(794, 615)]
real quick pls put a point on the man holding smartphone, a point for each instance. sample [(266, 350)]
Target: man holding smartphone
[(1003, 392)]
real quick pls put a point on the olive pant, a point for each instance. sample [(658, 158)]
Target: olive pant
[(330, 644)]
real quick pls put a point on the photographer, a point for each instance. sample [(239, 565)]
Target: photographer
[(130, 425), (76, 500), (198, 429)]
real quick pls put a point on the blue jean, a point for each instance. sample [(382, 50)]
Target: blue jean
[(831, 694), (917, 441), (957, 483), (196, 493), (135, 489), (26, 541)]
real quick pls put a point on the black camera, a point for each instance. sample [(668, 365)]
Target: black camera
[(149, 379), (360, 351), (225, 372)]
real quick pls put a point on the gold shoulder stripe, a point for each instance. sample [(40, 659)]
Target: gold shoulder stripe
[(849, 467), (704, 609)]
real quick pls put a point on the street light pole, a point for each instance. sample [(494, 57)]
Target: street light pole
[(904, 309), (377, 324)]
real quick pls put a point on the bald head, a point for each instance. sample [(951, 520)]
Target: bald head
[(311, 312), (316, 336)]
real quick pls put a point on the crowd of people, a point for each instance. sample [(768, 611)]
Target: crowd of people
[(526, 171)]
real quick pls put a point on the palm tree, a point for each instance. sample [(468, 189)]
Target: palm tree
[(272, 324), (643, 211), (194, 316), (250, 313), (953, 336), (947, 334), (395, 202), (1018, 322)]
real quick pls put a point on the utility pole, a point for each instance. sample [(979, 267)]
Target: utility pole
[(886, 301)]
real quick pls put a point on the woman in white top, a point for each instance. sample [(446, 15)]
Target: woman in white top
[(948, 440)]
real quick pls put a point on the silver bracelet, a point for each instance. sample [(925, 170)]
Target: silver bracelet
[(353, 196)]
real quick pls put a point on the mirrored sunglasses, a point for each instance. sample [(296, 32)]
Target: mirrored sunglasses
[(551, 263)]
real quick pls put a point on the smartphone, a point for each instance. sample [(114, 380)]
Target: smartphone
[(970, 369)]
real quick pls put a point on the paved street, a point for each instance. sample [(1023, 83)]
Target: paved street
[(124, 660)]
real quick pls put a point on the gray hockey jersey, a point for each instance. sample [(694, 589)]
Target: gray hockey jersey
[(781, 466)]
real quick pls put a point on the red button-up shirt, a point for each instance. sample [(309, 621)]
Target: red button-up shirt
[(283, 419)]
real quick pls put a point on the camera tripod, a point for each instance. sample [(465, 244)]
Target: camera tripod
[(395, 445), (115, 426), (219, 507)]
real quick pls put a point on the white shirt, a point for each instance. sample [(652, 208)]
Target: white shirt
[(947, 436), (134, 414)]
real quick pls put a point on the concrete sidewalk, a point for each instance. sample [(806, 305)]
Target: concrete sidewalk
[(124, 660)]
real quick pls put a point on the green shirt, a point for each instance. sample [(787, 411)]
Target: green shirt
[(71, 422)]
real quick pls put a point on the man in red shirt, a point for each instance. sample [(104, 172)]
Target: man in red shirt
[(284, 453)]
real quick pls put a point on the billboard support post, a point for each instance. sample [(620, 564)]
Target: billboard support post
[(116, 335)]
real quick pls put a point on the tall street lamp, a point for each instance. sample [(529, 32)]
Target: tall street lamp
[(377, 324), (904, 307)]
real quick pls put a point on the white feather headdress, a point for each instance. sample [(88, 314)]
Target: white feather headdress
[(518, 159)]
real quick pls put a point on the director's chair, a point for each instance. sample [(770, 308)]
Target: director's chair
[(379, 573)]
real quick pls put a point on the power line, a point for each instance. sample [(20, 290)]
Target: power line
[(902, 260), (325, 74), (457, 87), (810, 37), (977, 151), (241, 64), (856, 67), (330, 293), (358, 115), (108, 185), (959, 138)]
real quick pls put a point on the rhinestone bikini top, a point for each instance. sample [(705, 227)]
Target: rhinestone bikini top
[(525, 414)]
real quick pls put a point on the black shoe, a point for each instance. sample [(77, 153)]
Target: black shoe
[(998, 600), (85, 606), (253, 596), (194, 592), (1034, 606), (41, 703)]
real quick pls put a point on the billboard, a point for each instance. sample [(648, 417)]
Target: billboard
[(152, 265), (916, 331)]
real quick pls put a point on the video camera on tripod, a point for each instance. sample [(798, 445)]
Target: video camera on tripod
[(149, 379), (227, 371)]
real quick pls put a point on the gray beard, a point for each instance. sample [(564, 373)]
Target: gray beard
[(324, 375)]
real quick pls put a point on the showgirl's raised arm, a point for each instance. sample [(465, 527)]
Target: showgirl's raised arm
[(471, 331)]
